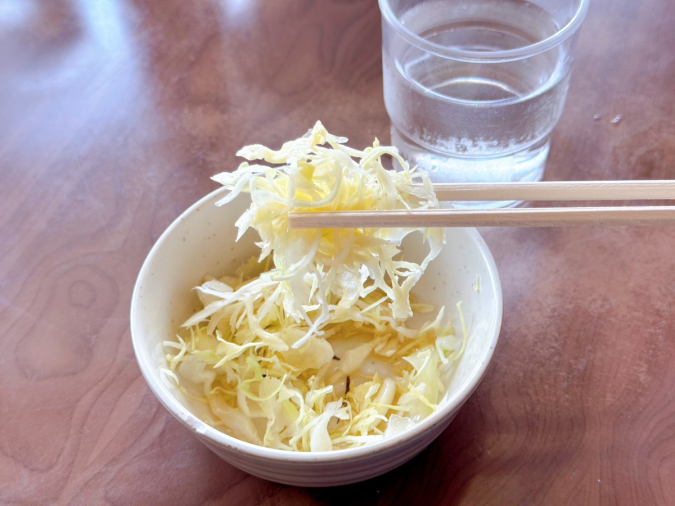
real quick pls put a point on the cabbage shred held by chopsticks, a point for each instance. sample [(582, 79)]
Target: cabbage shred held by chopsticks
[(306, 348)]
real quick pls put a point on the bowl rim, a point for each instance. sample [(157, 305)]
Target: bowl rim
[(202, 429)]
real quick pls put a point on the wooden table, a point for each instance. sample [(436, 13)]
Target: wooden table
[(113, 115)]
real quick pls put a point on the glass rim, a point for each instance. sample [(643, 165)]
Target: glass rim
[(487, 56)]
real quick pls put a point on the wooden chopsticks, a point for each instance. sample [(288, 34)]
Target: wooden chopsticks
[(518, 217), (528, 217), (558, 190)]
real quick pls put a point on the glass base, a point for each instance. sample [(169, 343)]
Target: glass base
[(524, 166)]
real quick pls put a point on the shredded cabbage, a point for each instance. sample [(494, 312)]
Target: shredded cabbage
[(307, 347)]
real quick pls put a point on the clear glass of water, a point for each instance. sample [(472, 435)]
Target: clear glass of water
[(474, 88)]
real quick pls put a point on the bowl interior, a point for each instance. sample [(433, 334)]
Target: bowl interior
[(201, 241)]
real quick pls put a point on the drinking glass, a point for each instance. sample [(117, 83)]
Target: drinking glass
[(474, 88)]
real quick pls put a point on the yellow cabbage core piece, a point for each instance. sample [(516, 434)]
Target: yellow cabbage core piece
[(307, 348)]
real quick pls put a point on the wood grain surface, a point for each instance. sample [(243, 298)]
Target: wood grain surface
[(113, 115)]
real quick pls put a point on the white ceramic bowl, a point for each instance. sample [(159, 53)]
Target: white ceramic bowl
[(201, 241)]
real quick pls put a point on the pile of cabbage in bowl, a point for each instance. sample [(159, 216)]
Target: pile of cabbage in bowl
[(307, 347)]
